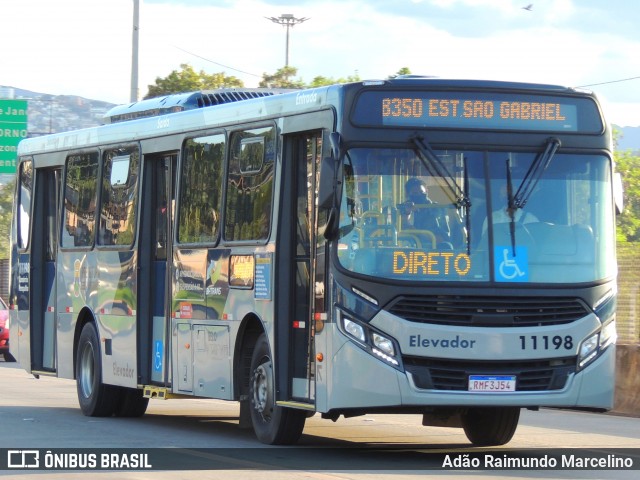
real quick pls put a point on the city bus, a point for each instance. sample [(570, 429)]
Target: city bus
[(264, 247)]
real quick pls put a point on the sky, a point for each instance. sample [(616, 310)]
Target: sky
[(83, 47)]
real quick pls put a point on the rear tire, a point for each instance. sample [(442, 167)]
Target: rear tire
[(131, 403), (9, 358), (490, 426), (96, 399), (272, 424)]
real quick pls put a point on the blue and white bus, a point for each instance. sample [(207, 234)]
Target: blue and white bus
[(266, 247)]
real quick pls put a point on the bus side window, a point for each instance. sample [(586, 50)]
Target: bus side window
[(81, 187), (119, 196), (201, 189), (24, 200), (250, 184)]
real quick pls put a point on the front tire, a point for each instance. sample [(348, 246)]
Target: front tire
[(490, 426), (272, 424), (96, 399)]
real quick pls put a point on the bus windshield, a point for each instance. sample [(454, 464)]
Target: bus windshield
[(403, 219)]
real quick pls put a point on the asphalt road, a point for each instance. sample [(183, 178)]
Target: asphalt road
[(205, 441)]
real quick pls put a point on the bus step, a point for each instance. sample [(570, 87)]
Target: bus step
[(299, 405), (44, 373)]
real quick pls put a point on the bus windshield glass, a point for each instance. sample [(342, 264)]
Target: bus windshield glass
[(404, 220)]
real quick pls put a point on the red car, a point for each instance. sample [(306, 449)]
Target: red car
[(4, 332)]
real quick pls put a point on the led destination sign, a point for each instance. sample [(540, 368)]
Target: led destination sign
[(475, 112), (492, 111)]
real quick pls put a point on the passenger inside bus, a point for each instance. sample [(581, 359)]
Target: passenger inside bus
[(501, 214), (417, 212)]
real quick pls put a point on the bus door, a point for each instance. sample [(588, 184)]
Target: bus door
[(155, 260), (44, 248), (305, 276)]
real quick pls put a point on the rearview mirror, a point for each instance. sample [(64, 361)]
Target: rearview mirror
[(330, 188), (618, 192), (326, 190)]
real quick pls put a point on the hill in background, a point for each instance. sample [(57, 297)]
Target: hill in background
[(629, 138), (60, 113)]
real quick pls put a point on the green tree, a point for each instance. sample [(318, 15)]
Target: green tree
[(283, 78), (402, 71), (320, 81), (188, 80), (628, 164)]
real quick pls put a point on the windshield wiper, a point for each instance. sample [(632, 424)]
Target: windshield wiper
[(511, 208), (528, 185), (537, 168), (438, 169), (468, 206)]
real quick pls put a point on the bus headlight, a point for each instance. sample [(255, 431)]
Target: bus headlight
[(372, 341), (588, 350), (354, 329), (384, 344), (594, 345)]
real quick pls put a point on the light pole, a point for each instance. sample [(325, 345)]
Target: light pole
[(134, 51), (287, 20)]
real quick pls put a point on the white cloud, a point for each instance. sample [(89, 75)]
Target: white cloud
[(83, 47)]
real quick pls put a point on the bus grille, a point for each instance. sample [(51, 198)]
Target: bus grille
[(531, 375), (488, 311)]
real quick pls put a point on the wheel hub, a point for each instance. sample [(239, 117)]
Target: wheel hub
[(262, 390), (86, 370)]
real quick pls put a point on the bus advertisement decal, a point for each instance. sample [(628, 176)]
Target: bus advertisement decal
[(201, 282), (190, 272), (216, 276), (185, 311), (217, 282), (263, 276), (241, 271)]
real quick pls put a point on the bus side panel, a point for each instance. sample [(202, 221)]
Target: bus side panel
[(116, 310), (201, 361), (75, 279), (118, 333), (19, 333), (323, 344), (100, 286), (49, 327), (158, 330), (64, 343)]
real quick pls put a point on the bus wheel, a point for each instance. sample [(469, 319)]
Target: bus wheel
[(131, 403), (490, 426), (96, 399), (273, 425)]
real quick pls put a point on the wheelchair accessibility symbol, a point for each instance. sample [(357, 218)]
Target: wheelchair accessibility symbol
[(509, 268), (157, 357)]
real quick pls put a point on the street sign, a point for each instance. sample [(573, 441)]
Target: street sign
[(13, 128)]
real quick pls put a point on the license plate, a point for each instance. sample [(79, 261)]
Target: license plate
[(492, 383)]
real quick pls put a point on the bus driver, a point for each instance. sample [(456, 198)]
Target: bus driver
[(416, 216)]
